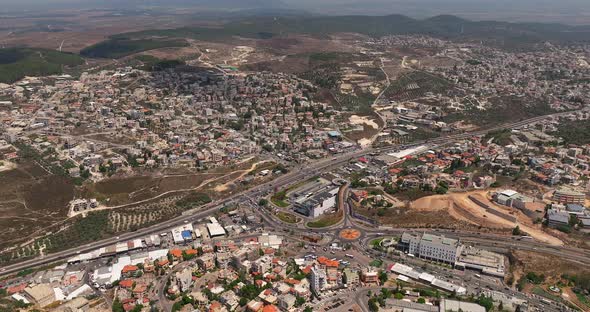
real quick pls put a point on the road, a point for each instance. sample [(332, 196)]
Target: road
[(296, 175)]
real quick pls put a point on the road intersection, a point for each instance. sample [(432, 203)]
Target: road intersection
[(306, 172)]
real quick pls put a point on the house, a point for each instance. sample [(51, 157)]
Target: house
[(286, 302), (130, 270), (370, 277), (254, 306), (351, 277), (184, 279), (575, 209), (557, 218), (40, 295), (230, 299), (206, 262)]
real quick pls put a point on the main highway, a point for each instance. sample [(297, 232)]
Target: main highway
[(295, 175)]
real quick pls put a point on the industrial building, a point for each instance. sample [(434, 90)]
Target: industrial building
[(317, 204), (214, 228), (185, 233)]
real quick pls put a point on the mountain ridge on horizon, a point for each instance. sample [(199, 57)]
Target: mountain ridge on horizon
[(571, 12)]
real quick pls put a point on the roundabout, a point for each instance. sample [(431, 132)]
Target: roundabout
[(350, 234)]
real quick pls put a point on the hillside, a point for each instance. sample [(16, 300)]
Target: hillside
[(16, 63), (120, 47), (443, 26)]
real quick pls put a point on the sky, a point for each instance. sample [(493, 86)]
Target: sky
[(568, 11)]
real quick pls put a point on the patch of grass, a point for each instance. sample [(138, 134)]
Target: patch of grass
[(500, 137), (583, 299), (279, 199), (24, 272), (326, 220), (287, 217), (118, 47), (16, 63), (377, 263), (376, 243), (193, 200), (152, 63), (543, 293)]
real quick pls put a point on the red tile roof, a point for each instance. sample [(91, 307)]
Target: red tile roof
[(270, 308), (127, 283), (129, 268), (177, 253)]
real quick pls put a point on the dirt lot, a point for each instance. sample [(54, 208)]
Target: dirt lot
[(459, 207), (457, 211), (406, 217)]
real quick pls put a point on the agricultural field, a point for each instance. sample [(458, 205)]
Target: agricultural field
[(503, 109), (104, 223), (416, 84), (16, 63)]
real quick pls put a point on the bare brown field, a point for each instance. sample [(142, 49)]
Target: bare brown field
[(30, 200), (121, 191)]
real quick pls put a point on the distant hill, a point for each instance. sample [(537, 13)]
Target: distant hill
[(443, 26)]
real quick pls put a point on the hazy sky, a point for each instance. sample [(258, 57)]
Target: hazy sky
[(529, 10)]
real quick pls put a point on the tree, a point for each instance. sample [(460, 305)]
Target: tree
[(299, 301), (386, 293), (308, 309), (573, 220), (383, 277), (85, 174), (137, 308), (421, 300), (398, 296), (177, 306), (118, 306), (486, 302), (262, 202), (516, 231), (243, 301), (373, 306)]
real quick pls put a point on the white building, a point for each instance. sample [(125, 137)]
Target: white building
[(318, 205), (318, 280), (432, 247)]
